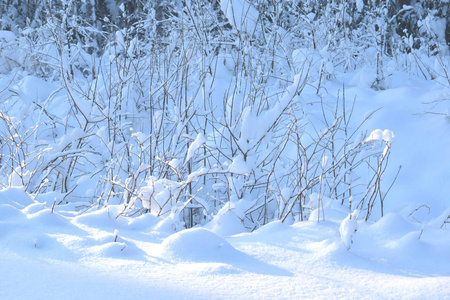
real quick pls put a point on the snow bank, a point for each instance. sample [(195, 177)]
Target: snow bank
[(9, 212), (396, 242), (103, 218), (269, 262), (197, 245)]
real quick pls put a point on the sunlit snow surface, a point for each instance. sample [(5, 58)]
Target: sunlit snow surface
[(57, 255)]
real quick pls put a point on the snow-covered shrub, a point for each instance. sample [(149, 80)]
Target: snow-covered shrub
[(189, 109)]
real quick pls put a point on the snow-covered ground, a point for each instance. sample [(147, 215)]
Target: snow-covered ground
[(58, 253), (55, 255)]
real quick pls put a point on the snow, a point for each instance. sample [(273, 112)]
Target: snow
[(227, 221), (197, 245), (241, 13), (66, 244), (99, 254), (35, 88), (348, 228), (359, 5), (196, 144), (7, 35), (239, 166), (378, 135), (389, 259)]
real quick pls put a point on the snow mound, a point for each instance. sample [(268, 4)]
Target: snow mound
[(9, 212), (274, 227), (143, 223), (10, 219), (197, 245), (111, 249), (170, 224), (226, 222), (34, 208), (200, 245), (405, 245), (104, 218), (393, 225), (49, 220), (15, 196)]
